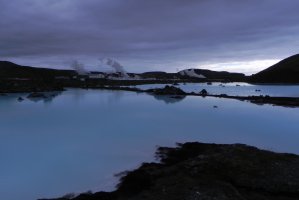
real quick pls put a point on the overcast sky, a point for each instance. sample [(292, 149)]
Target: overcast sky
[(233, 35)]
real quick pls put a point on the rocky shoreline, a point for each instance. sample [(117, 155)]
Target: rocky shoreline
[(199, 171), (28, 86), (175, 92), (168, 90)]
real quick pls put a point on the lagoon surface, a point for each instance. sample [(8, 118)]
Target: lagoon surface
[(78, 140), (235, 89)]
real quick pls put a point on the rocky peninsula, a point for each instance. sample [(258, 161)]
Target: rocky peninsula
[(175, 92)]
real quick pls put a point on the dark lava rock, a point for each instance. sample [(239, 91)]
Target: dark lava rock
[(223, 95), (279, 101), (167, 90), (199, 171), (20, 99), (203, 92), (36, 95)]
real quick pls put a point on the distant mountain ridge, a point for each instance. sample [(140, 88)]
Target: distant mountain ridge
[(219, 75), (11, 70), (191, 73), (285, 71)]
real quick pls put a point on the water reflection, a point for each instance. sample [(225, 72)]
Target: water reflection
[(78, 141), (235, 89), (169, 99), (46, 97), (115, 97)]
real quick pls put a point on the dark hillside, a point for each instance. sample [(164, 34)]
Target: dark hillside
[(9, 70), (286, 71)]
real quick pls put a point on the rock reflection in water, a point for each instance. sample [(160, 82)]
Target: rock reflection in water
[(46, 97), (168, 99)]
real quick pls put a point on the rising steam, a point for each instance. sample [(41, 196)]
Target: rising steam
[(79, 67), (116, 66)]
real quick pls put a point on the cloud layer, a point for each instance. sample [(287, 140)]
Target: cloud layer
[(143, 35)]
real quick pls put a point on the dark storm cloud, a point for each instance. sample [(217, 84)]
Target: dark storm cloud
[(148, 34)]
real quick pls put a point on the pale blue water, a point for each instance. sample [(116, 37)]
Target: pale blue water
[(80, 139), (243, 89)]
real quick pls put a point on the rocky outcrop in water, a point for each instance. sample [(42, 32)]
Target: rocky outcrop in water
[(203, 92), (167, 90)]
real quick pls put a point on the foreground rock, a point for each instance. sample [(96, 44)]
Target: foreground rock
[(198, 171)]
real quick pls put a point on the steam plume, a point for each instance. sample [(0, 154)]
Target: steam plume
[(79, 67), (116, 66)]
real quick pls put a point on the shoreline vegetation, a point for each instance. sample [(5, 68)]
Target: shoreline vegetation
[(196, 170)]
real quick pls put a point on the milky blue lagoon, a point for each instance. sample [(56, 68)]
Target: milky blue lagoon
[(235, 89), (78, 140)]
